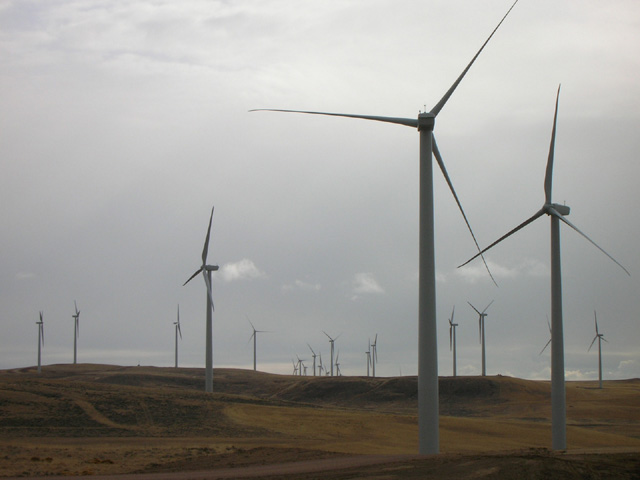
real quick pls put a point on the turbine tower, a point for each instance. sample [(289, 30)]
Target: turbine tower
[(206, 273), (40, 341), (557, 214), (599, 336), (178, 332), (428, 404), (76, 332), (374, 355), (481, 316), (331, 341), (313, 354), (452, 340)]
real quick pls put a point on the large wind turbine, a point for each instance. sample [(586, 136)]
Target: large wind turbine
[(76, 332), (331, 341), (558, 214), (178, 332), (428, 405), (40, 341), (481, 316), (374, 355), (452, 339), (206, 273), (599, 336)]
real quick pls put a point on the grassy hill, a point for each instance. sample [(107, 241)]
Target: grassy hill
[(109, 419)]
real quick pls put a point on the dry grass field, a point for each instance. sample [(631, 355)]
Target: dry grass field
[(106, 420)]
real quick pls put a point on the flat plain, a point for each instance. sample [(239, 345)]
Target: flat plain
[(87, 420)]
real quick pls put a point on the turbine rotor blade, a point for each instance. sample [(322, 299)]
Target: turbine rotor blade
[(205, 250), (545, 347), (548, 178), (436, 153), (554, 212), (179, 331), (477, 311), (592, 342), (192, 276), (209, 292), (435, 110), (596, 321), (487, 307), (450, 335), (453, 313), (538, 214), (409, 122)]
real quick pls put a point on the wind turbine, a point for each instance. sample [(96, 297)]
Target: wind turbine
[(452, 339), (558, 214), (331, 341), (338, 365), (206, 273), (374, 355), (40, 341), (481, 317), (313, 354), (550, 335), (368, 354), (301, 366), (254, 336), (599, 336), (295, 367), (178, 332), (76, 332), (428, 405), (320, 367)]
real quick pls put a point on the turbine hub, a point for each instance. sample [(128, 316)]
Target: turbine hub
[(561, 209), (426, 121), (211, 268)]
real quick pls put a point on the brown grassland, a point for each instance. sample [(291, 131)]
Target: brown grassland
[(108, 420)]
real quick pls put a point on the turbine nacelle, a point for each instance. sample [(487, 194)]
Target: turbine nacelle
[(561, 209), (210, 268), (426, 121)]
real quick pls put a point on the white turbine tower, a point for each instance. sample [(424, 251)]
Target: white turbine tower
[(374, 355), (452, 339), (178, 332), (558, 214), (313, 354), (481, 316), (599, 336), (368, 354), (76, 332), (40, 341), (331, 341), (206, 273), (428, 405)]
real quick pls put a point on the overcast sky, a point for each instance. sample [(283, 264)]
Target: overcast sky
[(124, 121)]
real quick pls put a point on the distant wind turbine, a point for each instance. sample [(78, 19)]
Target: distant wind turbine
[(338, 364), (295, 367), (76, 332), (331, 341), (206, 273), (428, 405), (320, 367), (178, 332), (452, 339), (599, 336), (550, 335), (313, 354), (374, 355), (255, 341), (40, 341), (558, 214), (481, 316), (368, 354)]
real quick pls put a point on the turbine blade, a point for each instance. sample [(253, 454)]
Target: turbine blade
[(604, 339), (477, 311), (409, 122), (450, 335), (78, 328), (192, 276), (592, 342), (452, 313), (436, 153), (76, 305), (545, 347), (538, 214), (209, 292), (435, 110), (311, 349), (205, 250), (179, 331), (487, 307), (561, 217), (548, 178)]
